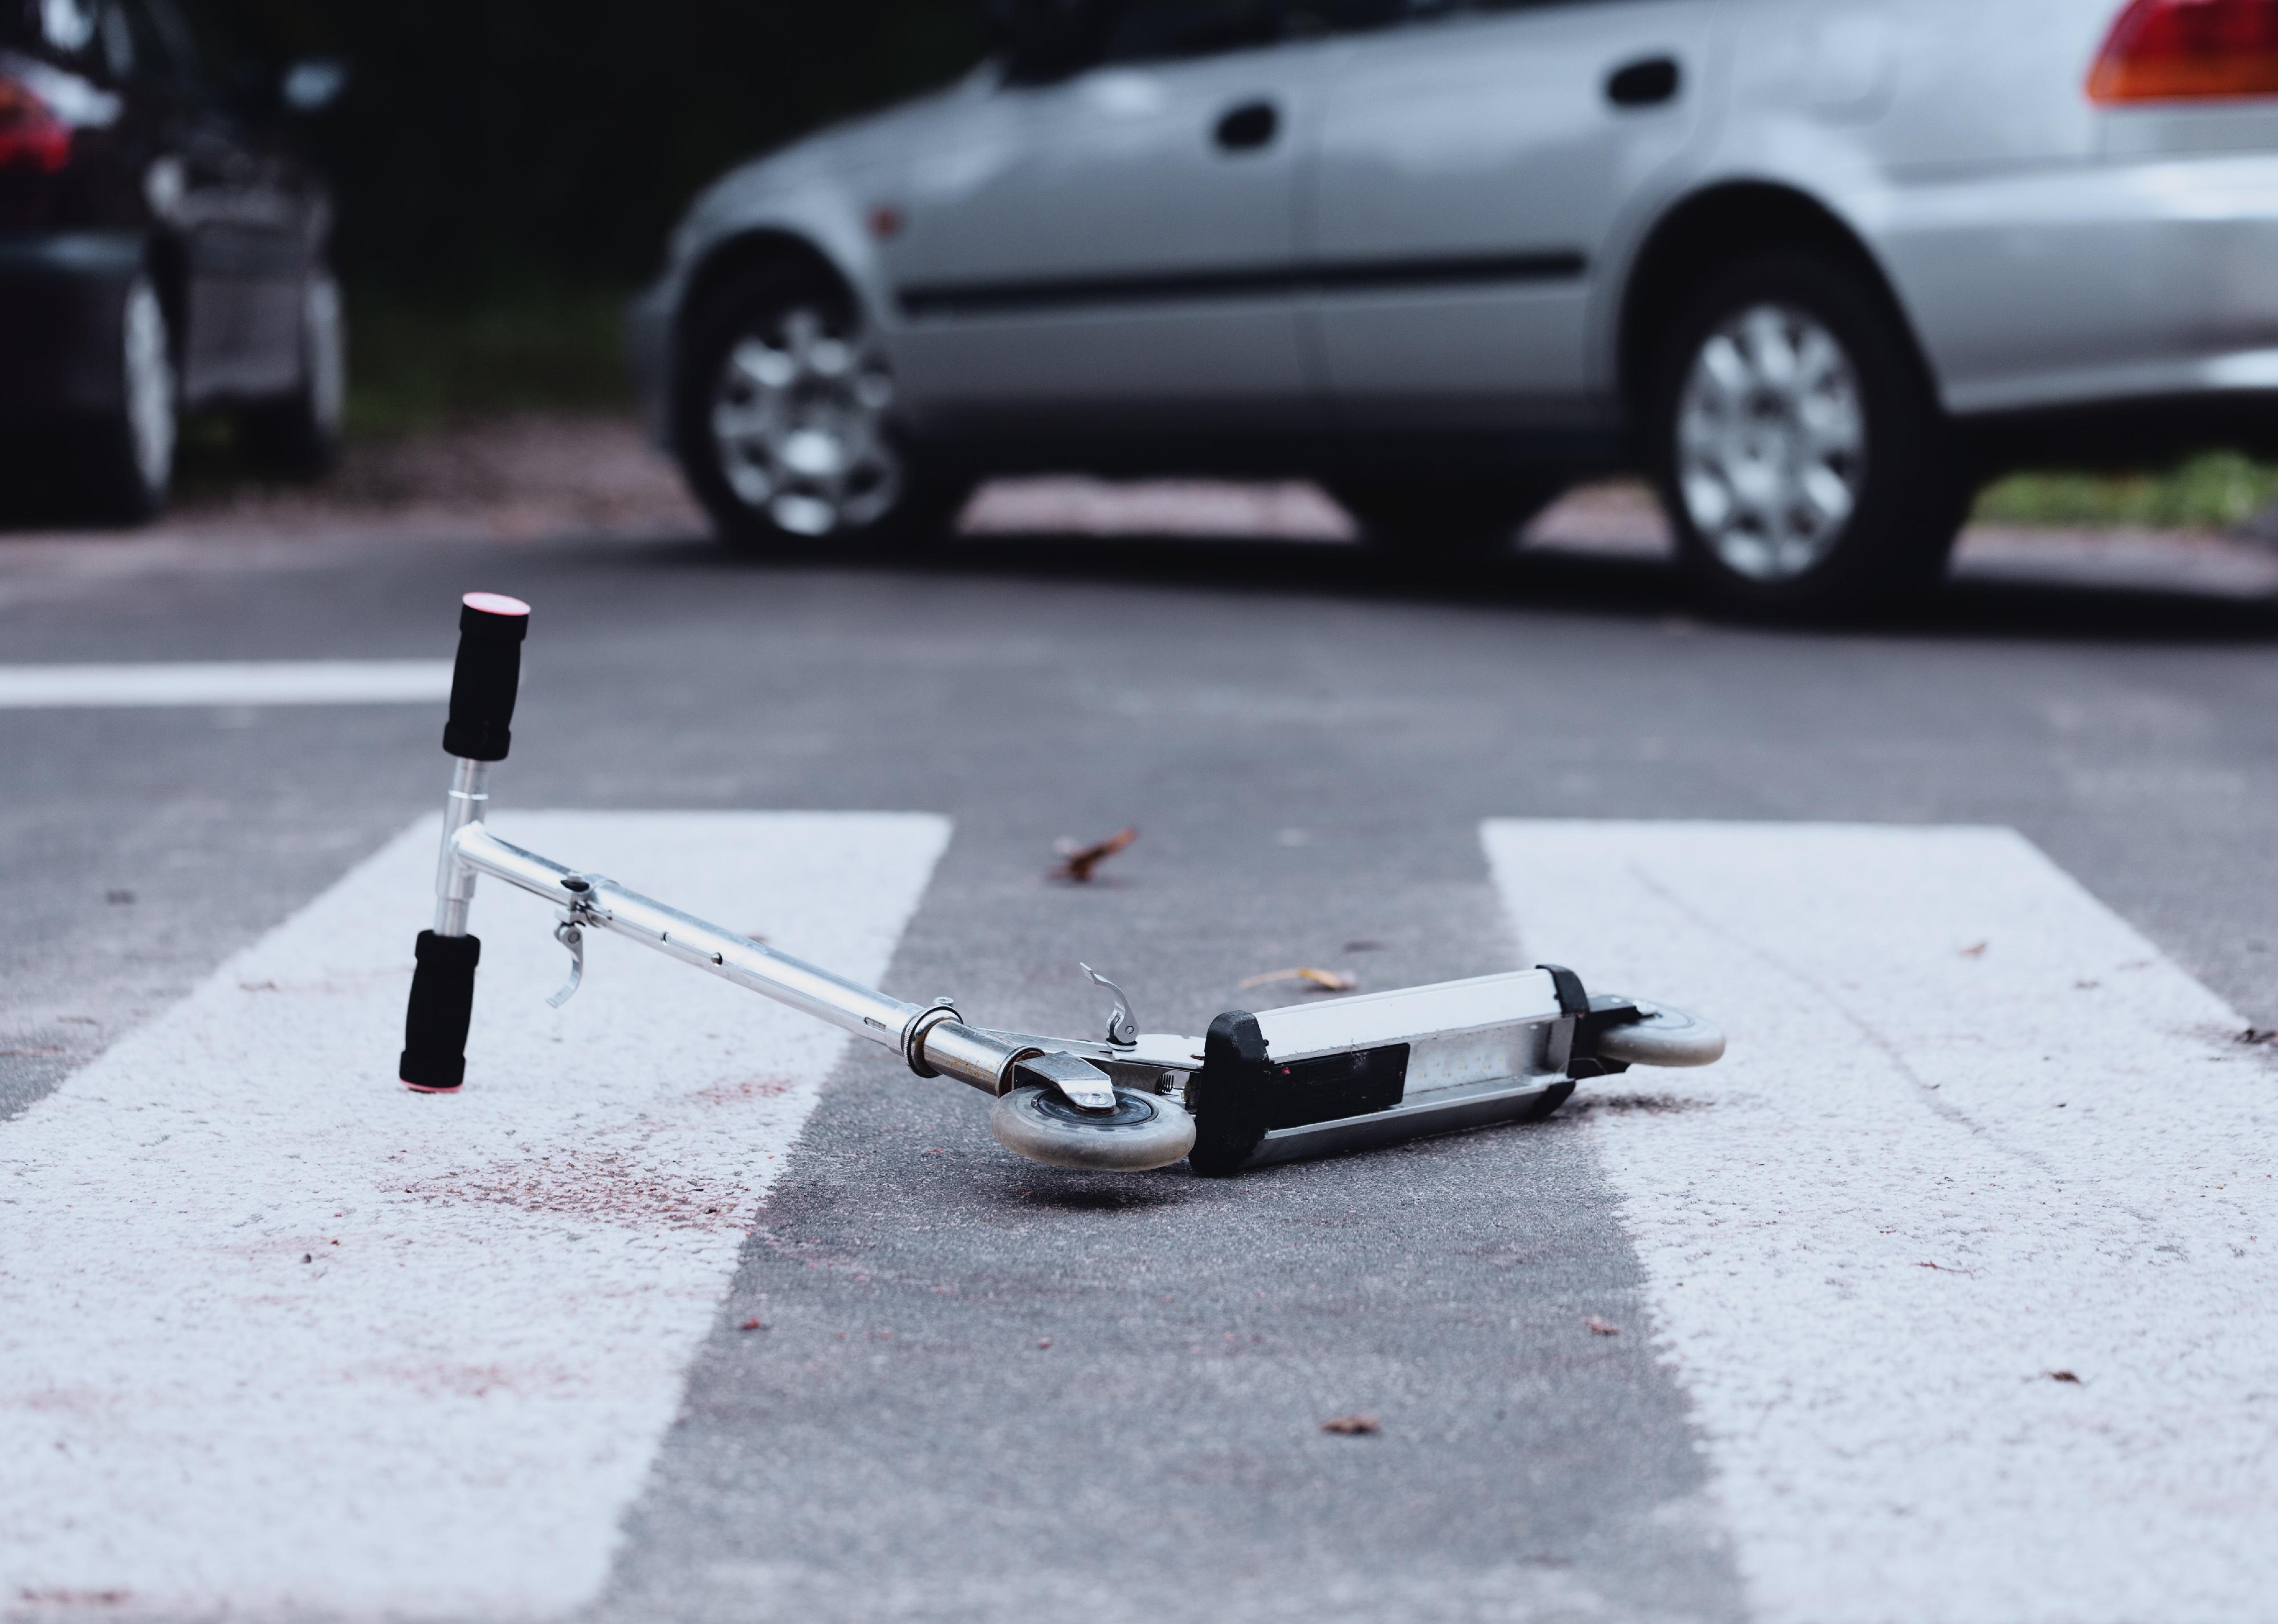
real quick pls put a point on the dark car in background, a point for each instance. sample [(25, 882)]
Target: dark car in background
[(159, 253)]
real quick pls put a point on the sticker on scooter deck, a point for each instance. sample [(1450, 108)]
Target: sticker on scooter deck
[(1968, 1253), (277, 1333)]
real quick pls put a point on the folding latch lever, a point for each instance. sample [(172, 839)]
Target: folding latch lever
[(1123, 1026)]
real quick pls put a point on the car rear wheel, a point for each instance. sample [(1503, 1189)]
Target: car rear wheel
[(1446, 518), (124, 461), (785, 430), (300, 434), (1798, 444)]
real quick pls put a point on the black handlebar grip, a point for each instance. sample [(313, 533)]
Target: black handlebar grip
[(442, 1005), (488, 671), (1227, 1096)]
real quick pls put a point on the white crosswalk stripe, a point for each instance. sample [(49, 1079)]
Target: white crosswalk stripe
[(275, 1333), (1968, 1254)]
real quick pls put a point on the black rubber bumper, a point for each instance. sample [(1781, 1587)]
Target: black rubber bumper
[(62, 298)]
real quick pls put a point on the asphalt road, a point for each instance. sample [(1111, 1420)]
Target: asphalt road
[(991, 1390)]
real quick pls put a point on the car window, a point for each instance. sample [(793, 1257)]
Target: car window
[(150, 42), (1340, 15), (67, 25), (1162, 30)]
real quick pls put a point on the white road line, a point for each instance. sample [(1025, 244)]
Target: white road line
[(445, 1408), (1973, 1130), (220, 682)]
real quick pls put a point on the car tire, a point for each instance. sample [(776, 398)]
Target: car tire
[(122, 466), (1445, 518), (300, 434), (1798, 444), (783, 425)]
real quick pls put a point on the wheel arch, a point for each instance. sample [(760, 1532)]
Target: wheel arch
[(738, 255), (1714, 226)]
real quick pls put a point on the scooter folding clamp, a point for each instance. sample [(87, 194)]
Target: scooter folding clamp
[(1254, 1089)]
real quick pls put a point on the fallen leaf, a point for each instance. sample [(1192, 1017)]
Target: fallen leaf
[(2065, 1376), (751, 1325), (1602, 1328), (1077, 861), (1976, 951), (1352, 1426), (1314, 980), (1044, 1342)]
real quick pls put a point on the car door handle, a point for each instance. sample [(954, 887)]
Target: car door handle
[(1647, 82), (1249, 126)]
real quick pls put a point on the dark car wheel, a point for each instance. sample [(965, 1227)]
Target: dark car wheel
[(300, 434), (1446, 518), (1798, 444), (783, 425), (122, 464)]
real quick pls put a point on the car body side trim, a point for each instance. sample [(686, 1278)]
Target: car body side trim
[(1006, 298)]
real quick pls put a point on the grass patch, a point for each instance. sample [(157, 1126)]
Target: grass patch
[(2214, 491), (416, 364)]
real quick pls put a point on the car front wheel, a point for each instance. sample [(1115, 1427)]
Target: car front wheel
[(784, 424), (1798, 444), (125, 464)]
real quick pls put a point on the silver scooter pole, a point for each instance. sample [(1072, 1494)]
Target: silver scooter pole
[(931, 1038)]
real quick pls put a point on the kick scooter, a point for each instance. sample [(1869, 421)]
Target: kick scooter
[(1254, 1089)]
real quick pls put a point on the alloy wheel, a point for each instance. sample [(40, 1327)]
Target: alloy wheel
[(1772, 442), (799, 422)]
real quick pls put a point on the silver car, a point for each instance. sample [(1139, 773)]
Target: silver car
[(1817, 267)]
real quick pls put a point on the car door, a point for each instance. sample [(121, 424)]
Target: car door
[(1474, 161), (233, 210), (1115, 248)]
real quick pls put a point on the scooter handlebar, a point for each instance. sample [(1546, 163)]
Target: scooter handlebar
[(488, 671)]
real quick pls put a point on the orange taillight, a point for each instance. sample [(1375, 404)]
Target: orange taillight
[(2188, 51)]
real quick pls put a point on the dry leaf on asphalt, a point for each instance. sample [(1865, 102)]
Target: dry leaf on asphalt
[(1602, 1328), (1975, 949), (1314, 980), (1352, 1426), (1077, 861)]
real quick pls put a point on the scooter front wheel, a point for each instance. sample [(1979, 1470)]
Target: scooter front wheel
[(1143, 1131)]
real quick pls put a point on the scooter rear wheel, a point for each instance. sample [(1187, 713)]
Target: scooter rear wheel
[(1143, 1131), (1664, 1037)]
